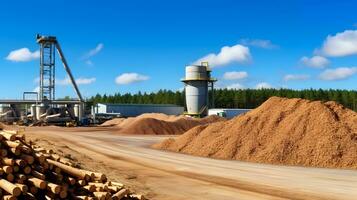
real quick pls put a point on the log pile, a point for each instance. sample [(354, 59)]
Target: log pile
[(30, 172)]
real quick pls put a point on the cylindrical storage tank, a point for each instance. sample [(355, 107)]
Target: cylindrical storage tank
[(2, 108), (40, 110), (33, 112), (196, 97), (196, 72), (196, 89), (6, 112), (18, 111), (78, 111)]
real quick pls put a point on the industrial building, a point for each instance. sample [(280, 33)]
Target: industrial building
[(133, 110), (227, 112), (45, 109)]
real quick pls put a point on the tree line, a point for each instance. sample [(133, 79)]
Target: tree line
[(232, 98)]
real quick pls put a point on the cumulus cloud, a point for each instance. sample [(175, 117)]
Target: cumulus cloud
[(227, 55), (235, 75), (128, 78), (338, 73), (263, 85), (315, 61), (235, 86), (341, 44), (23, 55), (79, 81), (296, 77), (265, 44)]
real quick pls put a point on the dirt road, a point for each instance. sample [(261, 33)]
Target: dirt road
[(166, 175)]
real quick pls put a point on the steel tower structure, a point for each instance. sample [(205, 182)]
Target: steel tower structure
[(48, 44), (47, 68)]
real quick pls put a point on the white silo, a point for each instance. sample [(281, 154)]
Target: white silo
[(197, 81)]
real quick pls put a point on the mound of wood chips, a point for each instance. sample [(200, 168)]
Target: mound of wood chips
[(280, 131), (158, 124)]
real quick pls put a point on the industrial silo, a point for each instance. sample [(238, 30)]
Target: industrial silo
[(197, 82)]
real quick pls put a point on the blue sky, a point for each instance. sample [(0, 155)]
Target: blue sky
[(127, 46)]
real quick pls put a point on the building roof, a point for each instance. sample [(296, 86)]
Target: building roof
[(214, 109), (148, 105)]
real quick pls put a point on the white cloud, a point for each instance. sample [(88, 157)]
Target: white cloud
[(227, 55), (79, 81), (37, 89), (263, 85), (36, 80), (296, 77), (315, 61), (89, 62), (85, 81), (65, 81), (235, 75), (338, 73), (341, 44), (94, 51), (265, 44), (235, 86), (23, 55), (128, 78)]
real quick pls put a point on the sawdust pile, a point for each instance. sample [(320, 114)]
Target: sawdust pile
[(280, 131), (158, 124)]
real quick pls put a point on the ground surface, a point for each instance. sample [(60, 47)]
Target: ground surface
[(166, 175)]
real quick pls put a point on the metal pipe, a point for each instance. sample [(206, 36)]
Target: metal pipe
[(68, 70), (5, 113), (53, 116), (43, 115)]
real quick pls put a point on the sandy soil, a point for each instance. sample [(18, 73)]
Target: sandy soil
[(167, 175)]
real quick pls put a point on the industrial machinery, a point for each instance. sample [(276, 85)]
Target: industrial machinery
[(45, 109), (197, 83)]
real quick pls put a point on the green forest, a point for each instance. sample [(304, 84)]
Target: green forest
[(230, 98)]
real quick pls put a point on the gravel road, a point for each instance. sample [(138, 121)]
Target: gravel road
[(170, 175)]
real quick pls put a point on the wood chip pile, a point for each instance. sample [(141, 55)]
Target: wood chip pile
[(31, 172)]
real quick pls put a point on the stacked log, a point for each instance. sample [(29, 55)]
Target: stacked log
[(30, 172)]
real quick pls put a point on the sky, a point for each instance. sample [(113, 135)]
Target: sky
[(138, 45)]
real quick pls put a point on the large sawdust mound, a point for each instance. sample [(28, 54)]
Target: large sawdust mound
[(280, 131), (158, 124)]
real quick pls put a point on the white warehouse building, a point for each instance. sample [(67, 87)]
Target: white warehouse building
[(133, 110), (227, 112)]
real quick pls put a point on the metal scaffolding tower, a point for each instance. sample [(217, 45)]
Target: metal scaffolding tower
[(47, 68), (48, 44)]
